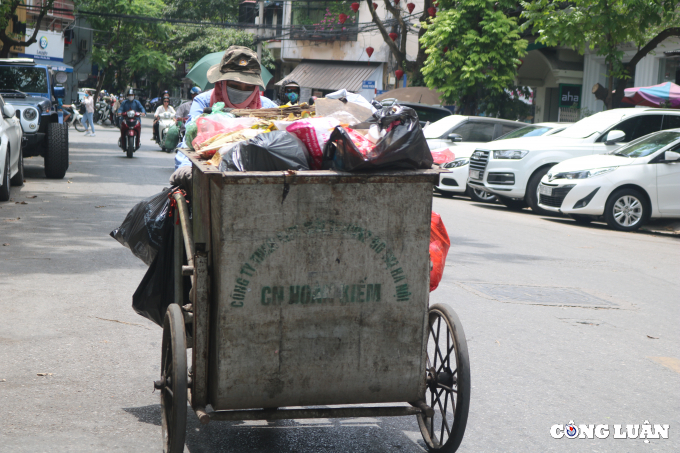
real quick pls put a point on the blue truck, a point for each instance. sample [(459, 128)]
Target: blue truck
[(36, 91)]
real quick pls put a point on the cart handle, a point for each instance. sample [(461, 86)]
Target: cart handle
[(187, 232)]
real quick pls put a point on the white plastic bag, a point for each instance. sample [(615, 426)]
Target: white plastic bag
[(353, 98)]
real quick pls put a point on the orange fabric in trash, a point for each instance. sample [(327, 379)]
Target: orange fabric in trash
[(439, 248)]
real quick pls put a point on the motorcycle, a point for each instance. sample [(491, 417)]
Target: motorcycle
[(75, 119), (165, 121), (131, 129), (103, 111)]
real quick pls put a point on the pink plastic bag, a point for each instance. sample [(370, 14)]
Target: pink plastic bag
[(210, 126), (442, 155), (439, 248), (364, 145), (314, 133)]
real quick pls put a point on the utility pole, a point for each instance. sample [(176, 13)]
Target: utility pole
[(260, 29)]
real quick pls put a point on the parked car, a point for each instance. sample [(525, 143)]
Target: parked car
[(512, 169), (454, 181), (462, 135), (426, 113), (628, 186), (34, 89), (11, 135)]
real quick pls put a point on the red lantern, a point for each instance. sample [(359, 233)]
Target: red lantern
[(375, 6), (432, 11), (369, 51), (399, 73), (446, 49), (393, 35), (342, 18), (396, 2), (355, 7), (411, 7)]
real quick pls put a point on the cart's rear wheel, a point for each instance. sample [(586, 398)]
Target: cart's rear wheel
[(173, 383), (448, 382)]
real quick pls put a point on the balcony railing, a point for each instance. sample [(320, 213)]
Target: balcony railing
[(337, 32)]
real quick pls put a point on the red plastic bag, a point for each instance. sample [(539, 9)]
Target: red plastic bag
[(443, 155), (439, 248)]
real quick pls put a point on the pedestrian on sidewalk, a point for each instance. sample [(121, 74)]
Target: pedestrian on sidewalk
[(88, 117)]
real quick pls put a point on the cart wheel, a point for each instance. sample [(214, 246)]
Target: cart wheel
[(448, 382), (173, 383)]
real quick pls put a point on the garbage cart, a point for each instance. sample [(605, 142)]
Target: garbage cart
[(309, 298)]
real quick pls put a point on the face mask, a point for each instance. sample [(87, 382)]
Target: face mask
[(130, 98), (292, 96), (238, 96)]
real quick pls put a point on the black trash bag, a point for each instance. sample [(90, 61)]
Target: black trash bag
[(143, 227), (404, 147), (157, 289), (273, 151)]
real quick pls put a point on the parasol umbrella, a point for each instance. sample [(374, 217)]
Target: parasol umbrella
[(654, 95), (199, 72), (420, 95)]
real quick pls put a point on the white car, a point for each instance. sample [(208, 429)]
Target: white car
[(513, 169), (638, 181), (11, 158), (454, 180)]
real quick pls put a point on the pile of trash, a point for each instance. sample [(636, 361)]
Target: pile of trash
[(310, 139)]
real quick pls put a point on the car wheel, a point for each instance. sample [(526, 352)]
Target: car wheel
[(4, 187), (511, 203), (480, 195), (532, 196), (18, 179), (56, 158), (581, 219), (626, 210)]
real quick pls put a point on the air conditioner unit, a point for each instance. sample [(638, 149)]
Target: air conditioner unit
[(83, 45)]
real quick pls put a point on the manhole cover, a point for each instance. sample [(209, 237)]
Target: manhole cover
[(539, 295)]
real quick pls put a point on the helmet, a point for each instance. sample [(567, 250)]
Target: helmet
[(131, 92), (289, 85), (195, 91)]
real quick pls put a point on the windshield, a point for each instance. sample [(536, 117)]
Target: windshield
[(430, 115), (647, 145), (30, 80), (592, 124), (441, 127), (529, 131)]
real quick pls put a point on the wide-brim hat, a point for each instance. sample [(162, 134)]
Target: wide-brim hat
[(239, 64)]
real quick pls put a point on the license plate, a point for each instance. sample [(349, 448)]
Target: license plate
[(474, 174), (545, 190)]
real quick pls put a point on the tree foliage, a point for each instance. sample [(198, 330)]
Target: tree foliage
[(473, 49), (605, 26)]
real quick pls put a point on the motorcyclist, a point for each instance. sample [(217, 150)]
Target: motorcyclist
[(183, 110), (289, 92), (130, 103), (163, 108)]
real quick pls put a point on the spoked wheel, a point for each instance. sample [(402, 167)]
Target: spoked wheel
[(173, 382), (448, 382)]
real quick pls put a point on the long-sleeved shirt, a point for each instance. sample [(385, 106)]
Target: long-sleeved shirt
[(183, 110), (203, 100), (131, 105), (88, 102)]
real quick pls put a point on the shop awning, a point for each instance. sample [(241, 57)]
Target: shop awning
[(327, 76)]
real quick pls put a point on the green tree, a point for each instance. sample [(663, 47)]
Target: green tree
[(605, 26), (188, 44), (129, 47), (474, 49), (7, 10)]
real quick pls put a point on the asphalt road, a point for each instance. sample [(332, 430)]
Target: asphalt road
[(563, 322)]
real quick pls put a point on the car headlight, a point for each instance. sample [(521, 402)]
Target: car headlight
[(581, 174), (510, 154), (30, 114), (457, 163)]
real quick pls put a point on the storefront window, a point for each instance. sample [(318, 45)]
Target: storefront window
[(668, 70)]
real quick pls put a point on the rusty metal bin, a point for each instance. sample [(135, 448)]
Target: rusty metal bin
[(311, 289)]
